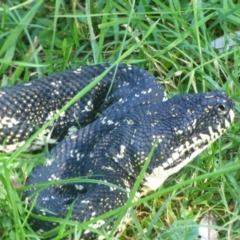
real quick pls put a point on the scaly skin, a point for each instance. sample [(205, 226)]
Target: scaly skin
[(119, 128)]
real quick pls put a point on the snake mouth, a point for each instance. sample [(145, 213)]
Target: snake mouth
[(195, 144)]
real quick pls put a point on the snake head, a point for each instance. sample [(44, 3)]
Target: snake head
[(190, 125)]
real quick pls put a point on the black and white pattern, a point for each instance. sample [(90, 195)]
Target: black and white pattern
[(112, 130)]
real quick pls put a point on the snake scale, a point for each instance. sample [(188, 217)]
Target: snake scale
[(106, 136)]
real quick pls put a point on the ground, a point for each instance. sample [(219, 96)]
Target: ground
[(171, 39)]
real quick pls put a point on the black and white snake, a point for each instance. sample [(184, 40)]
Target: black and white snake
[(112, 130)]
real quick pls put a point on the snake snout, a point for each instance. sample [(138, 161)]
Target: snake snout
[(222, 105)]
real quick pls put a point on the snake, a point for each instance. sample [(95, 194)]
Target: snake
[(104, 137)]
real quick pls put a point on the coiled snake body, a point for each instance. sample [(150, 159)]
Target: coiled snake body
[(112, 130)]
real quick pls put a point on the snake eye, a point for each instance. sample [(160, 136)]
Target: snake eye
[(221, 109)]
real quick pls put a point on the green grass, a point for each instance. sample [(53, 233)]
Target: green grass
[(171, 39)]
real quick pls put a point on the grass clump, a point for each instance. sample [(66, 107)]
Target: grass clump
[(172, 39)]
